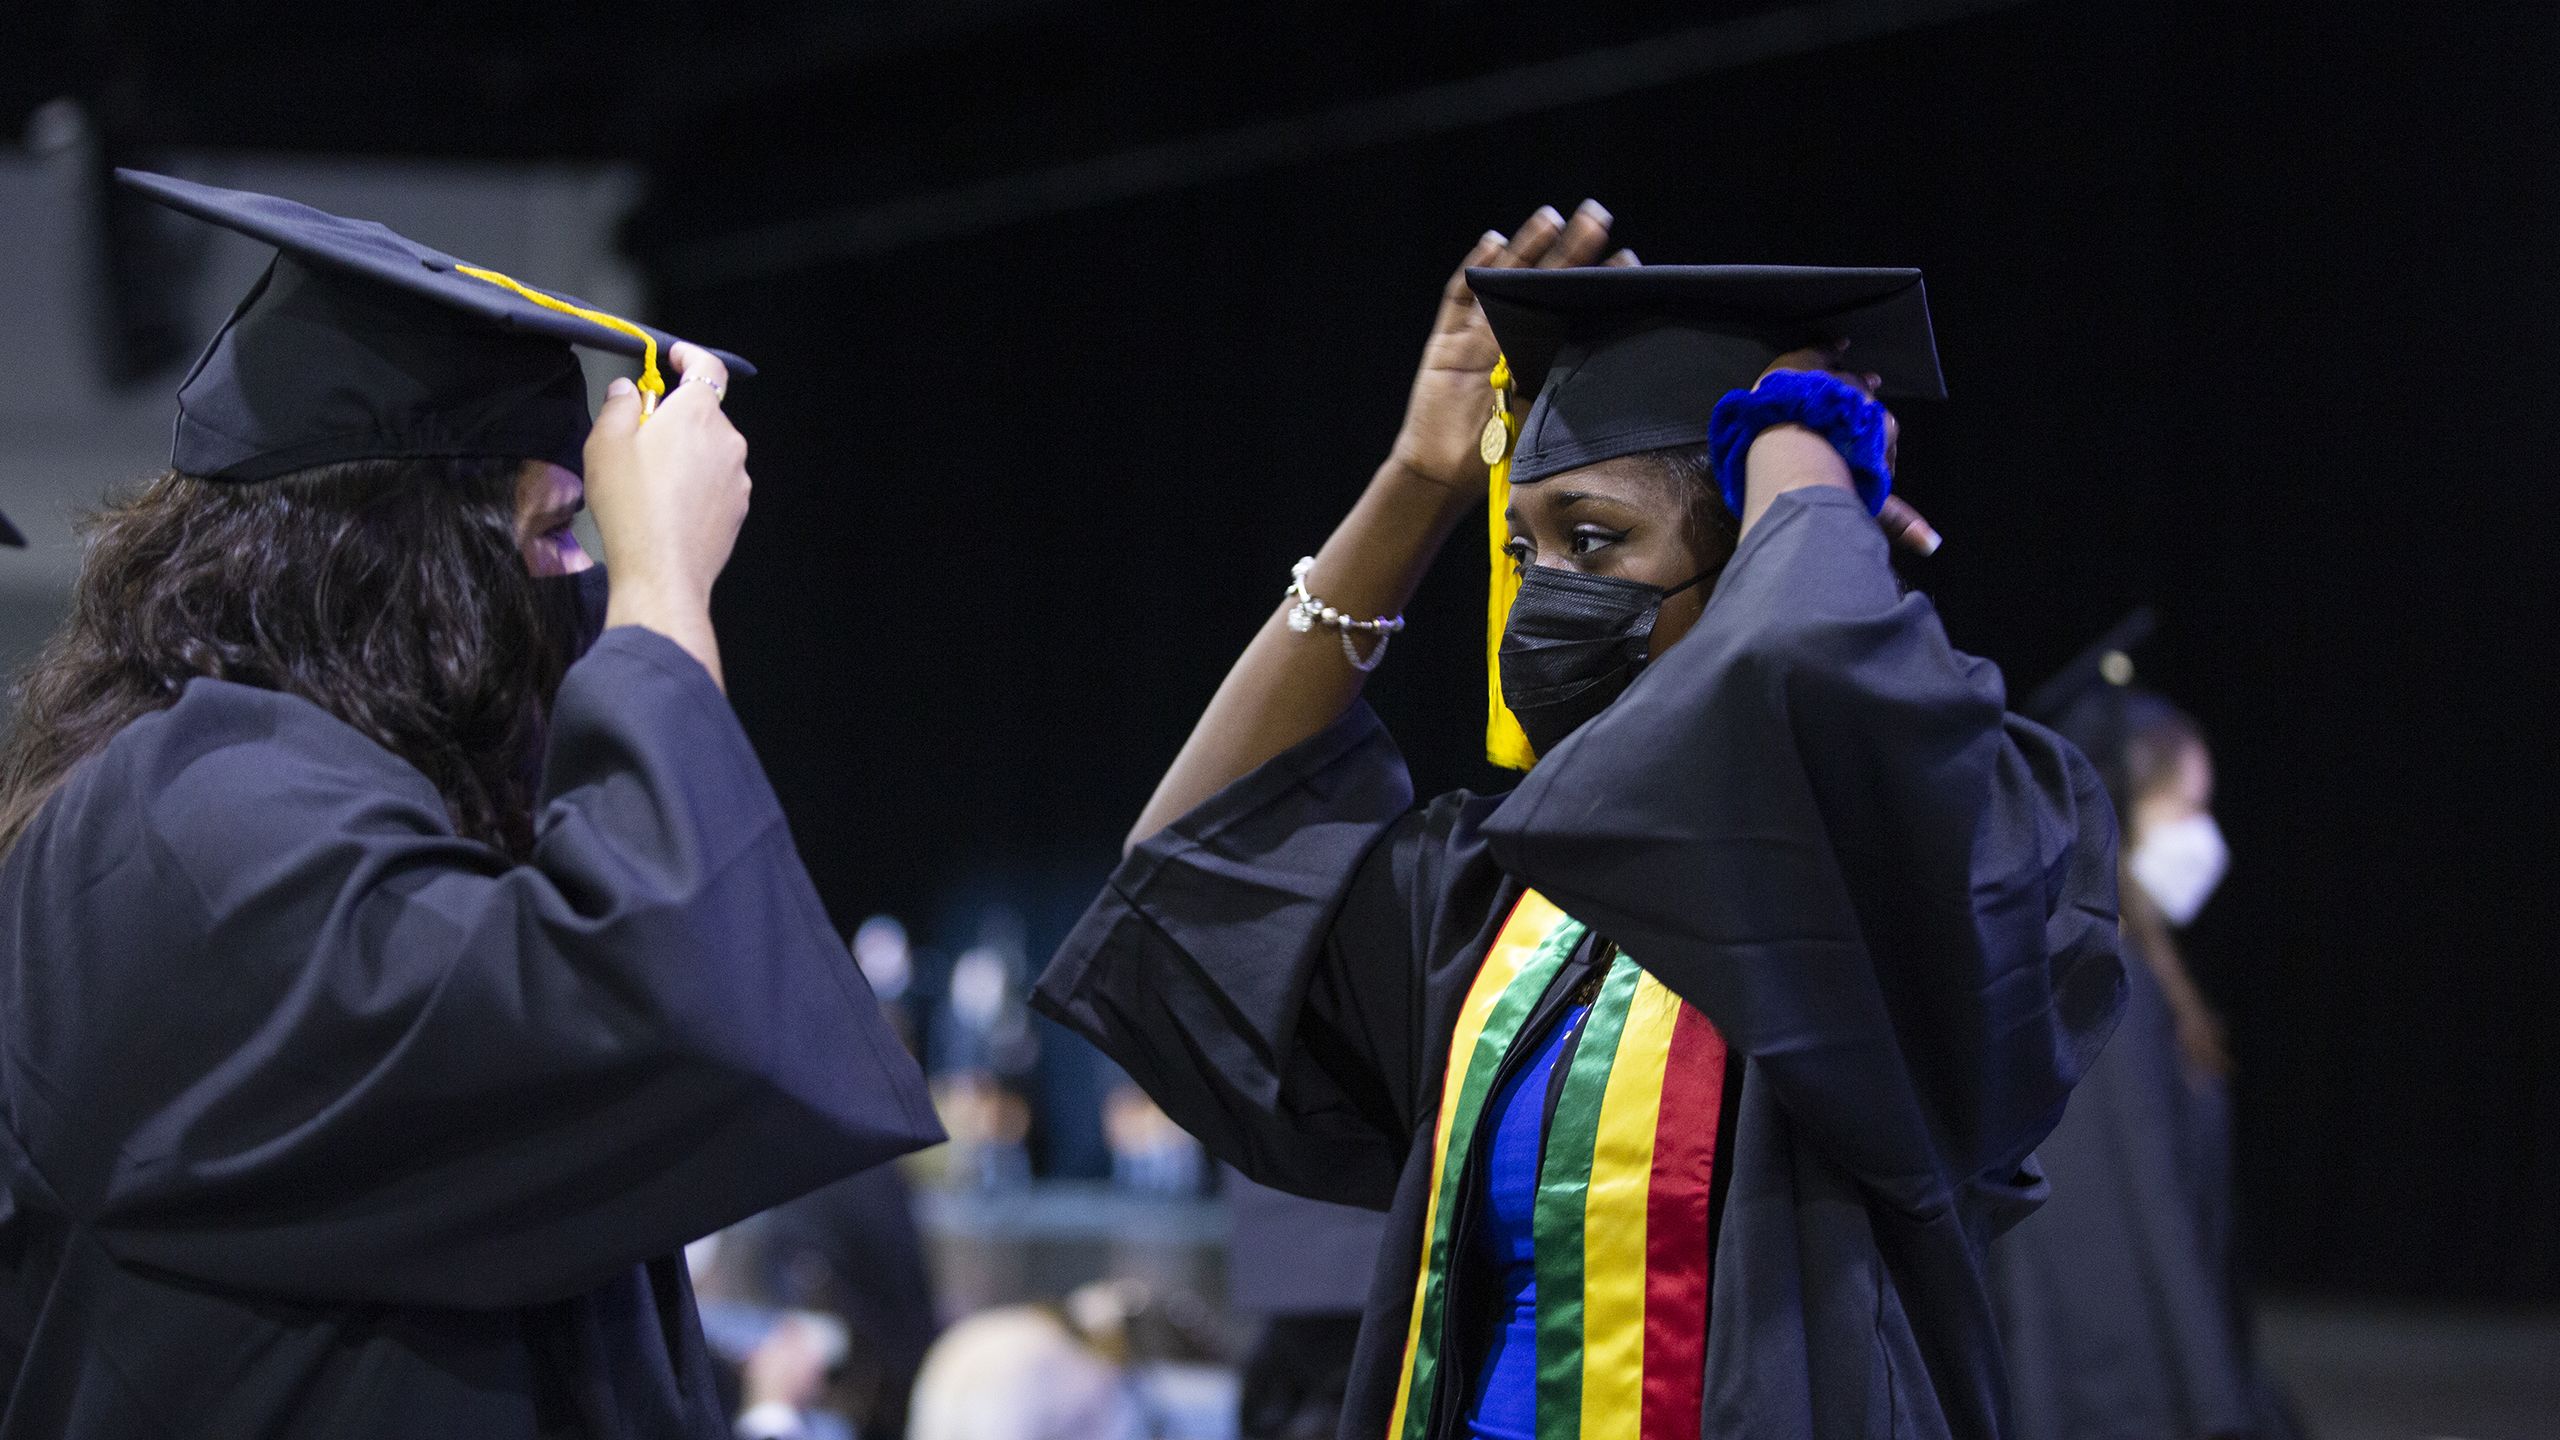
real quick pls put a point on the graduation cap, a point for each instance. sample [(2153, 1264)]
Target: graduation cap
[(360, 343), (1627, 358), (2108, 662), (1622, 359), (2093, 703)]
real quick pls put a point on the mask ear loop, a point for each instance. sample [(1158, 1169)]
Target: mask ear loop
[(1689, 584), (653, 386), (1693, 581)]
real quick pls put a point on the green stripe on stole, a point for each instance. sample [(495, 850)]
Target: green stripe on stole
[(1501, 1028), (1564, 1180)]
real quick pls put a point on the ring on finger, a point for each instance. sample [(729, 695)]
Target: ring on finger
[(718, 390)]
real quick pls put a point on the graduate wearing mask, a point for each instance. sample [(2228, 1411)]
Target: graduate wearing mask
[(1697, 1072), (394, 973), (2119, 1300)]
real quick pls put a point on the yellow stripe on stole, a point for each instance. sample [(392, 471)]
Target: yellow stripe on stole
[(1532, 920), (1613, 1219)]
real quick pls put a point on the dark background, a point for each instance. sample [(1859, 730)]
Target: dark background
[(2250, 315)]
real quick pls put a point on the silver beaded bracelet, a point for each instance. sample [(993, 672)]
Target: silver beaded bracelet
[(1311, 612)]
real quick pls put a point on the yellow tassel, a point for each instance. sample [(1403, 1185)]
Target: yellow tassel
[(1505, 743), (652, 384)]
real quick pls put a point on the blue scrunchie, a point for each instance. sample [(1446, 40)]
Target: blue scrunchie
[(1824, 404)]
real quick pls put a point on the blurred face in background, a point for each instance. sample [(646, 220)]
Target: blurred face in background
[(2182, 793), (2175, 851)]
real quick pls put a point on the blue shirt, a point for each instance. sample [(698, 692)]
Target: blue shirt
[(1505, 1403)]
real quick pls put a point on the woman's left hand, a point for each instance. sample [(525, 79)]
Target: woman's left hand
[(1903, 525)]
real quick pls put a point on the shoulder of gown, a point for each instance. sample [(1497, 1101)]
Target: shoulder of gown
[(387, 1064), (1814, 820)]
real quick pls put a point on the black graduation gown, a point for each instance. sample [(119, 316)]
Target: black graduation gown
[(2116, 1299), (321, 1121), (1813, 820), (854, 1250)]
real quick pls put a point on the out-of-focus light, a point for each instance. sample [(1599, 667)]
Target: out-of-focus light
[(978, 986), (57, 127), (880, 948)]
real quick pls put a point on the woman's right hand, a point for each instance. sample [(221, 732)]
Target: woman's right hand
[(669, 494), (668, 497), (1445, 414)]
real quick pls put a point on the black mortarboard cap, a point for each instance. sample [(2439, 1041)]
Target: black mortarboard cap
[(360, 343), (1628, 358), (2093, 702), (2106, 663)]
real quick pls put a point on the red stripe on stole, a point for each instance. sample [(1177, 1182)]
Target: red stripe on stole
[(1676, 1258)]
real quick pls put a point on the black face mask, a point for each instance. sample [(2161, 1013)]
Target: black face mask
[(1573, 644), (568, 616), (572, 609)]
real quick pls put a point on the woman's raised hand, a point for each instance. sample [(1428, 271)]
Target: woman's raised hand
[(1445, 415), (1903, 525), (1287, 685), (670, 494), (668, 498)]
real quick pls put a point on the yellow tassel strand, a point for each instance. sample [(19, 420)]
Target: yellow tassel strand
[(652, 384), (1505, 743)]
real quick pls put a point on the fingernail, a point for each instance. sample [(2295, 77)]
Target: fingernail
[(1930, 540), (619, 388), (1596, 211), (1550, 214), (1493, 237)]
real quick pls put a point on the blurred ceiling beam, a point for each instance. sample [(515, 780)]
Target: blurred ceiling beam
[(454, 76), (858, 231)]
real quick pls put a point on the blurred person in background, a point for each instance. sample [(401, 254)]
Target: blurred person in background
[(2118, 1299), (1301, 1268), (985, 1055), (395, 972), (822, 1308), (1149, 1153), (1736, 1179), (1032, 1372), (819, 1311)]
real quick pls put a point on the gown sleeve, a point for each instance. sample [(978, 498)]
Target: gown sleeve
[(1813, 820), (1262, 966), (368, 1061)]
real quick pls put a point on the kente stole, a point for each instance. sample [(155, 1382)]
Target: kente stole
[(1624, 1187)]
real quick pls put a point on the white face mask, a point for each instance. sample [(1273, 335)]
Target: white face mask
[(2179, 864)]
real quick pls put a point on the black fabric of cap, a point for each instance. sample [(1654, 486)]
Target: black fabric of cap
[(2098, 707), (359, 343), (1622, 359)]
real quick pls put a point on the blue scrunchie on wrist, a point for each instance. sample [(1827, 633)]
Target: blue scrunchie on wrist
[(1824, 404)]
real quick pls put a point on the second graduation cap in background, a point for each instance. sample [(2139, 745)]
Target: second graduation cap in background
[(360, 343), (1617, 360), (2094, 703)]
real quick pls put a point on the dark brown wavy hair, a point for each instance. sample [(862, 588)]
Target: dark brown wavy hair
[(391, 593)]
